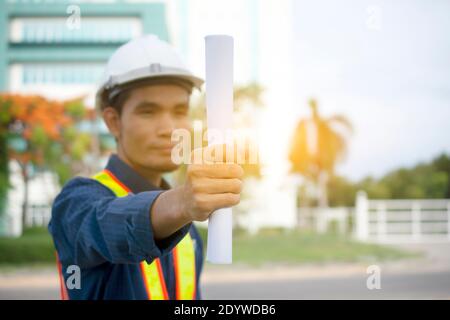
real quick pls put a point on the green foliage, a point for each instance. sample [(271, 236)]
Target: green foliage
[(39, 138), (341, 192), (40, 134), (80, 146), (423, 181), (76, 109), (63, 171), (4, 169), (34, 246), (442, 164), (4, 181)]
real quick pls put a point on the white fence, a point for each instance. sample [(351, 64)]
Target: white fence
[(323, 220), (42, 189), (38, 216), (391, 221)]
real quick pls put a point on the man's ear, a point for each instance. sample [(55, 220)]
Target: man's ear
[(112, 120)]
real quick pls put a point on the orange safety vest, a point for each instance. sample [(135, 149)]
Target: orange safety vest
[(152, 274)]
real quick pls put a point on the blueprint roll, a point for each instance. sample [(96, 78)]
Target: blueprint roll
[(219, 110)]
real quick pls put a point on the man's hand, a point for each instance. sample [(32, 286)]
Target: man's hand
[(210, 185)]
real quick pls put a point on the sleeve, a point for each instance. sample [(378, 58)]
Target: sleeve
[(90, 226)]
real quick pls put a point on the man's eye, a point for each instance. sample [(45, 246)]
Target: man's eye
[(181, 112)]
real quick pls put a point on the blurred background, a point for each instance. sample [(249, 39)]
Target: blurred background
[(348, 102)]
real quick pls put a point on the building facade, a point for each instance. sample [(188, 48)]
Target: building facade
[(58, 49)]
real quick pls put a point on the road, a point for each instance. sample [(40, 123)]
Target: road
[(427, 277), (433, 285)]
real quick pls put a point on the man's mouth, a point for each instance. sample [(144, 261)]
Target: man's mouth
[(164, 149)]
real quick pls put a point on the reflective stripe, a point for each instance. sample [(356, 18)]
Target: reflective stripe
[(62, 285), (154, 280), (110, 181), (152, 274), (184, 265)]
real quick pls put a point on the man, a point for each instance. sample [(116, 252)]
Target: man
[(130, 235)]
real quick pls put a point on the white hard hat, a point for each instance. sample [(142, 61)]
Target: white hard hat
[(142, 58)]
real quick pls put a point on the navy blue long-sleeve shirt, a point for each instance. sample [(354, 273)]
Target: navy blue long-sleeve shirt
[(107, 237)]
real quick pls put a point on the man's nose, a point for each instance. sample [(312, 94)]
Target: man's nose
[(166, 125)]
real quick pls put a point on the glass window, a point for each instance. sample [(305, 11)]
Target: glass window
[(92, 29), (75, 73)]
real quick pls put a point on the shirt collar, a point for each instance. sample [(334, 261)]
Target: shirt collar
[(130, 178)]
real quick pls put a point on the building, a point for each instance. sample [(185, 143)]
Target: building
[(58, 48)]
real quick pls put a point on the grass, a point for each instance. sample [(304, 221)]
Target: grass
[(294, 247), (35, 247)]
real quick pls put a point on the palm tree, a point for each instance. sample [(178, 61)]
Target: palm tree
[(318, 144)]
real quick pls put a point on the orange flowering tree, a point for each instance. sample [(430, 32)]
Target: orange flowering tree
[(41, 134)]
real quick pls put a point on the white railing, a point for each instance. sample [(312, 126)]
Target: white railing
[(38, 215), (323, 220), (408, 220)]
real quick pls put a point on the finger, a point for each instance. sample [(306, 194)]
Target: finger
[(215, 186), (212, 202), (225, 170)]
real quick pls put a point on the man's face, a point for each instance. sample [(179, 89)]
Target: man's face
[(149, 116)]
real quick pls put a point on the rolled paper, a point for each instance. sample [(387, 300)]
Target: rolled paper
[(219, 111)]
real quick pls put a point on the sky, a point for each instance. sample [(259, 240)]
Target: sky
[(385, 65)]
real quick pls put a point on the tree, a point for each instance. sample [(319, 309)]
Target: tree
[(4, 170), (318, 144), (43, 134), (422, 181), (442, 164)]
